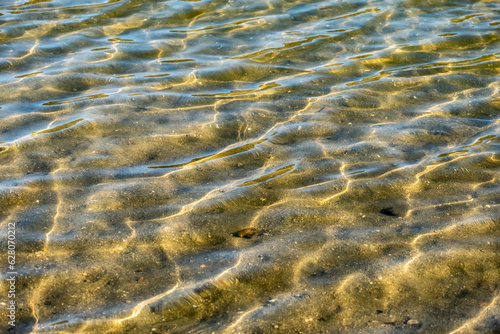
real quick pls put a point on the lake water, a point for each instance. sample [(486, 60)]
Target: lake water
[(250, 166)]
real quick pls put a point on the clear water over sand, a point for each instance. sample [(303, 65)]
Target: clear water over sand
[(357, 142)]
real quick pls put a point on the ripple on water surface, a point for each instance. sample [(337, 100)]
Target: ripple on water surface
[(252, 166)]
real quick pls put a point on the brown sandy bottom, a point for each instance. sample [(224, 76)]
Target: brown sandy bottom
[(236, 167)]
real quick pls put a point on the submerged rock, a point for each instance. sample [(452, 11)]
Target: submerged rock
[(414, 323), (247, 233)]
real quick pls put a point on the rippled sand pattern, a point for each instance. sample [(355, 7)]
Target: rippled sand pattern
[(251, 166)]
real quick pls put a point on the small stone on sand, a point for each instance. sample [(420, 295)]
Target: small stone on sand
[(414, 323), (246, 232)]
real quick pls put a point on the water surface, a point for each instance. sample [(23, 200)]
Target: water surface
[(358, 139)]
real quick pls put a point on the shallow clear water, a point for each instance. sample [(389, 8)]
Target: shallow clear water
[(356, 141)]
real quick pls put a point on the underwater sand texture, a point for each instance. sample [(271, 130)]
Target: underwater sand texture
[(251, 166)]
